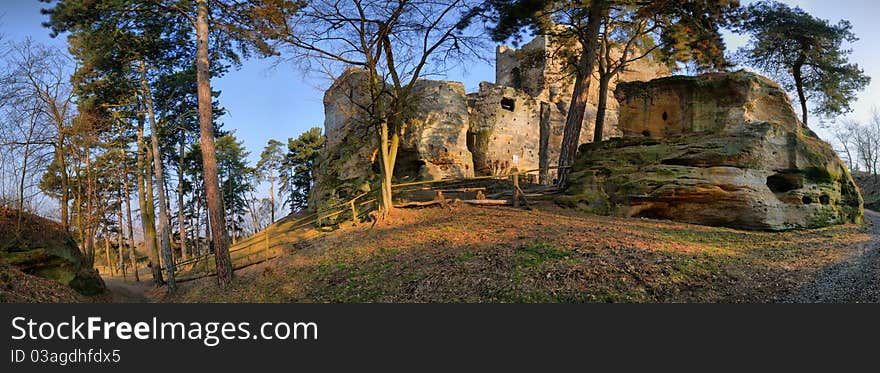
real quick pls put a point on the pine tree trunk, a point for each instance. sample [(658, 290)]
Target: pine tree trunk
[(90, 231), (197, 228), (79, 222), (107, 250), (145, 191), (599, 131), (586, 64), (119, 240), (209, 156), (799, 85), (174, 257), (132, 257), (272, 195), (164, 228), (182, 228)]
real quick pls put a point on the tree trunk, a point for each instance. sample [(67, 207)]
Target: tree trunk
[(164, 231), (174, 256), (254, 210), (272, 195), (799, 84), (599, 131), (543, 144), (387, 148), (132, 257), (90, 232), (145, 191), (107, 250), (79, 221), (586, 64), (197, 228), (209, 156), (119, 240), (182, 228), (65, 186), (24, 166)]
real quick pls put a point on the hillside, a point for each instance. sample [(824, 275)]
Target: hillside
[(870, 189), (19, 287), (473, 254), (40, 248)]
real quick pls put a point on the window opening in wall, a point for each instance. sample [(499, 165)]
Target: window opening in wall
[(508, 103)]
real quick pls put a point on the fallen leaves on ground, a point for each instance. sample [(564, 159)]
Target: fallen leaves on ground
[(550, 254)]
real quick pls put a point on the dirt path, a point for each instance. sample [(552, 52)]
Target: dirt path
[(854, 280), (127, 291)]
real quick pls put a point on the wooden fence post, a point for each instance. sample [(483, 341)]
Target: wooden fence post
[(354, 214)]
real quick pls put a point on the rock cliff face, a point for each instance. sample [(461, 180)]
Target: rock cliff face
[(434, 145), (344, 167), (718, 149)]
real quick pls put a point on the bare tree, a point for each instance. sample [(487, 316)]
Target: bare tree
[(36, 79), (844, 133), (866, 143), (393, 42)]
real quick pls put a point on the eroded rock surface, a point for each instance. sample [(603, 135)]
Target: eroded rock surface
[(40, 247), (719, 149), (433, 146), (344, 167)]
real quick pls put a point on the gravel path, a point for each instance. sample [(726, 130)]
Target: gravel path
[(854, 280)]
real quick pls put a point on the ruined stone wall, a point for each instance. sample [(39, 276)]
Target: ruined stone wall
[(537, 70), (507, 127), (516, 123)]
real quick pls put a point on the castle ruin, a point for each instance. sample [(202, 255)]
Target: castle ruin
[(515, 123)]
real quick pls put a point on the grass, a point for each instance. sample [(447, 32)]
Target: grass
[(471, 254)]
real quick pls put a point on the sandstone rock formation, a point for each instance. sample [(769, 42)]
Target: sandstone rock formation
[(43, 249), (433, 147), (344, 167), (719, 149)]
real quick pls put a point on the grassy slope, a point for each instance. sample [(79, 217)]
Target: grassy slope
[(471, 254)]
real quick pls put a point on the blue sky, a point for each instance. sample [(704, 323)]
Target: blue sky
[(265, 100)]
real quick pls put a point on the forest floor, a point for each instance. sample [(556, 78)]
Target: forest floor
[(550, 254), (122, 291)]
